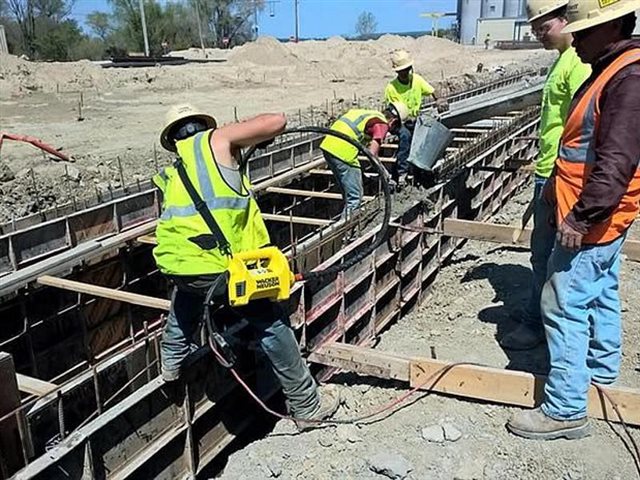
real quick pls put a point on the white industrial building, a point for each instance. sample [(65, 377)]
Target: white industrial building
[(500, 19)]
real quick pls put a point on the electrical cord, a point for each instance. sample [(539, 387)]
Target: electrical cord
[(386, 190)]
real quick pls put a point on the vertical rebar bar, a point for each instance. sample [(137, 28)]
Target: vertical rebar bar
[(147, 352), (61, 425), (96, 388), (155, 158), (35, 188), (124, 188), (23, 437)]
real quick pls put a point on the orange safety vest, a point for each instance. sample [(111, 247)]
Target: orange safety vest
[(576, 157)]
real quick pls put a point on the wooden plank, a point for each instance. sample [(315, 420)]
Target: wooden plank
[(104, 292), (475, 382), (319, 222), (487, 232), (309, 193), (149, 239), (34, 386), (511, 387), (362, 360), (491, 232)]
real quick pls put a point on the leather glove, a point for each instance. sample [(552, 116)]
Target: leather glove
[(442, 105)]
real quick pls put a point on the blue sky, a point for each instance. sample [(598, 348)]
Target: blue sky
[(324, 18)]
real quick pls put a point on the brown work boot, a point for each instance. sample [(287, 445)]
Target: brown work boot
[(329, 403), (522, 338), (535, 424)]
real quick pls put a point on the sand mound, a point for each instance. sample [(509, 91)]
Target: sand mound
[(20, 76), (265, 51)]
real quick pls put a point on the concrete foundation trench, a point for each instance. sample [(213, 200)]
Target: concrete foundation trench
[(83, 306)]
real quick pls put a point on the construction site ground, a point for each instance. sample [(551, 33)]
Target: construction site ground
[(472, 304), (123, 110)]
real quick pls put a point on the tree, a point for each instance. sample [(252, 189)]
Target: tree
[(366, 24), (100, 24), (230, 19), (42, 21)]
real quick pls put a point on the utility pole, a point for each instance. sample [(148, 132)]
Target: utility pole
[(255, 19), (297, 19), (200, 28), (144, 28)]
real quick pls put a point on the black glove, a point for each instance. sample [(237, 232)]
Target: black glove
[(265, 144)]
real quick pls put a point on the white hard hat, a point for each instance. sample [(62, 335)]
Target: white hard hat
[(177, 113), (400, 109), (539, 8), (401, 60), (583, 14)]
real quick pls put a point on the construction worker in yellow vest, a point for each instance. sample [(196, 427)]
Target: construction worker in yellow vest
[(208, 156), (369, 127), (547, 19), (410, 89)]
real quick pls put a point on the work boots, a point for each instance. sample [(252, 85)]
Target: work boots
[(329, 403), (537, 425), (523, 337)]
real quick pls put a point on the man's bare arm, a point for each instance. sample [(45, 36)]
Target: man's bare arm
[(228, 140)]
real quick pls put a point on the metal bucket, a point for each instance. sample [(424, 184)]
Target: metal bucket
[(430, 140)]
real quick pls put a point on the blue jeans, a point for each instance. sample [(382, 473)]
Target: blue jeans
[(349, 181), (581, 313), (270, 324), (543, 237), (405, 137)]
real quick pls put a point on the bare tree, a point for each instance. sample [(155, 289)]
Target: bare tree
[(232, 20), (366, 24), (22, 12)]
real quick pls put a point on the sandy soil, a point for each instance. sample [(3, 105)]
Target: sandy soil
[(123, 109), (471, 304)]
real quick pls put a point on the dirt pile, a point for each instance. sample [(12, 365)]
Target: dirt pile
[(265, 51), (19, 77), (338, 58)]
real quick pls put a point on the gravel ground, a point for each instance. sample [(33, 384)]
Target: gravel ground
[(444, 438)]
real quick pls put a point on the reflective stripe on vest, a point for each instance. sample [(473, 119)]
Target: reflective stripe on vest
[(577, 155), (213, 203), (352, 124)]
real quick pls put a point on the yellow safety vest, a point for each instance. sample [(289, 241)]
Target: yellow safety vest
[(236, 213), (351, 124)]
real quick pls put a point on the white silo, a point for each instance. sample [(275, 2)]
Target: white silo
[(492, 8), (513, 8), (469, 11)]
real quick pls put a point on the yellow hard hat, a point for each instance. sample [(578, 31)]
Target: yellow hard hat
[(177, 113), (401, 60), (539, 8), (401, 109), (583, 14)]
